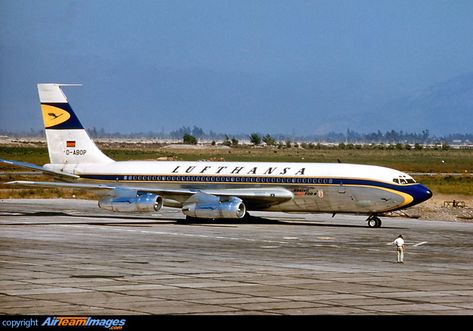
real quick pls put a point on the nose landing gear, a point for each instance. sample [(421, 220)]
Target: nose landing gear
[(374, 221)]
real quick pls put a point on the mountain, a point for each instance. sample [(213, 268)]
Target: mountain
[(443, 108)]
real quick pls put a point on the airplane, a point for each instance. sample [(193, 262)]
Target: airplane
[(211, 190)]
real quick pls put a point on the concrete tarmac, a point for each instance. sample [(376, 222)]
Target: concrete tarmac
[(70, 257)]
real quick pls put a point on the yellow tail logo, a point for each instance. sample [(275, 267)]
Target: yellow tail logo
[(53, 116)]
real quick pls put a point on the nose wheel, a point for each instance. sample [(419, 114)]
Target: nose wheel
[(374, 221)]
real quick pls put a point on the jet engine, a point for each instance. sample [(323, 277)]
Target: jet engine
[(141, 203), (231, 208)]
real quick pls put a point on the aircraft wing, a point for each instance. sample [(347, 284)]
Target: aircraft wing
[(270, 196), (273, 195)]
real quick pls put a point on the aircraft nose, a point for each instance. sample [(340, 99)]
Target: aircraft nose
[(422, 193)]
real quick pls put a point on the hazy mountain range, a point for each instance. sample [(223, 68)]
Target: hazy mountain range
[(443, 108)]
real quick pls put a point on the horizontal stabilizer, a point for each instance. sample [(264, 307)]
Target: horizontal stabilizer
[(83, 186), (59, 174)]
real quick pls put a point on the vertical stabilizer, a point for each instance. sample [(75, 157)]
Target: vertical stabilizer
[(68, 142)]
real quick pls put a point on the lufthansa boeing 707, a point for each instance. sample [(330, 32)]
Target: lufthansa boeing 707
[(212, 190)]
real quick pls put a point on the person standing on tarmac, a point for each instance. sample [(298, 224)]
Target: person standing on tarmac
[(399, 242)]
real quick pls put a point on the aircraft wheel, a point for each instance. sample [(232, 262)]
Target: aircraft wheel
[(378, 222), (374, 221), (371, 223)]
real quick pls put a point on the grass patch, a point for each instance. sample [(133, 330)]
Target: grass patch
[(448, 184)]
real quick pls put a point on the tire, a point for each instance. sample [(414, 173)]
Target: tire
[(372, 222), (378, 222)]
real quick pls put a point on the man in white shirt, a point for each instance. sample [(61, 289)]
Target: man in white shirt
[(399, 242)]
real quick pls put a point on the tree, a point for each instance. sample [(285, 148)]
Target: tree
[(255, 139), (189, 139), (227, 141), (269, 140)]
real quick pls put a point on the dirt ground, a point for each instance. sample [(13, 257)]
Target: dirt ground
[(440, 208)]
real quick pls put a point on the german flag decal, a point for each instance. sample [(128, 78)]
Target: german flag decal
[(71, 143)]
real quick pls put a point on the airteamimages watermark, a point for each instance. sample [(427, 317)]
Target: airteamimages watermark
[(51, 322)]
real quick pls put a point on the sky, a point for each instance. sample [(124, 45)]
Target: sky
[(228, 66)]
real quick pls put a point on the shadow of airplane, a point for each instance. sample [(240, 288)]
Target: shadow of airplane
[(135, 220)]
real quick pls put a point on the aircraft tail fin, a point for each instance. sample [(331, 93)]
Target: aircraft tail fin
[(68, 141)]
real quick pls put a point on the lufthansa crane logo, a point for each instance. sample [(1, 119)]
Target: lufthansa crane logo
[(53, 116)]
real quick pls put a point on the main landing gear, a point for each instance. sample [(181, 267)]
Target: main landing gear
[(374, 221)]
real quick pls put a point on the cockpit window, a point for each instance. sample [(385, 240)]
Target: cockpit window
[(403, 180)]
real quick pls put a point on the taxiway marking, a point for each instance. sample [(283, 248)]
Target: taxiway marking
[(421, 243)]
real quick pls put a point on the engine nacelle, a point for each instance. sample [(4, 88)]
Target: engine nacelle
[(144, 203), (232, 208)]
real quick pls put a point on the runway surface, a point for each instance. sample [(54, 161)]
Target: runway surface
[(70, 257)]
